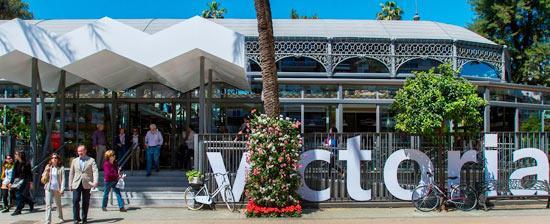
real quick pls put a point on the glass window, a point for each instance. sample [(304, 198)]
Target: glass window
[(546, 98), (546, 116), (502, 118), (299, 64), (530, 120), (360, 118), (290, 91), (502, 95), (93, 91), (361, 65), (223, 90), (387, 120), (478, 69), (319, 118), (151, 90), (253, 66), (528, 96), (292, 110), (360, 92), (228, 117), (387, 92), (417, 65), (320, 91)]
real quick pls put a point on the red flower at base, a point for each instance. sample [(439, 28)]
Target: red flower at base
[(255, 210)]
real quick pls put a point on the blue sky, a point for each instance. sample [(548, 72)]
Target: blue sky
[(456, 12)]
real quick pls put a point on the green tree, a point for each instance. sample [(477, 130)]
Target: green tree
[(214, 11), (10, 9), (295, 15), (536, 69), (523, 26), (427, 102), (389, 11)]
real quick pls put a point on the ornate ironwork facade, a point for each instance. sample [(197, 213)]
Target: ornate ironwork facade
[(392, 53)]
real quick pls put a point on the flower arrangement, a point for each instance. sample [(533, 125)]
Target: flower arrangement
[(274, 146)]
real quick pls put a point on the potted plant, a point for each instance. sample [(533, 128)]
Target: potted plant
[(194, 177)]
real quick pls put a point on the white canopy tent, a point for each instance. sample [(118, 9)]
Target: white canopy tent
[(117, 56)]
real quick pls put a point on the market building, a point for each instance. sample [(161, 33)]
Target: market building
[(205, 74)]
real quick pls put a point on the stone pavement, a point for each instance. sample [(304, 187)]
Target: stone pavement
[(532, 214)]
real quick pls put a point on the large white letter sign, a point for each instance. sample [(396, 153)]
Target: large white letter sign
[(455, 163), (354, 155), (304, 191), (390, 171), (217, 165), (491, 171), (541, 169)]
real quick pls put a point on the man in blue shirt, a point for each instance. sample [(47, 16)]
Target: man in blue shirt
[(153, 141)]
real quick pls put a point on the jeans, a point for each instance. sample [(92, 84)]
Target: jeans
[(85, 194), (22, 196), (153, 154), (8, 197), (53, 194), (107, 189)]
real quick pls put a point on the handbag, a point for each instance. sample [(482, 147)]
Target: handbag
[(17, 183), (120, 184)]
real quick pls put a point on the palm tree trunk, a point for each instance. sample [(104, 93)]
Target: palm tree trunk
[(270, 90)]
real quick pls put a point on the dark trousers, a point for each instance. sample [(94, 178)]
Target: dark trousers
[(22, 196), (85, 194), (8, 197)]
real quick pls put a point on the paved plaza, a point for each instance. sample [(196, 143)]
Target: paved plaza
[(532, 214)]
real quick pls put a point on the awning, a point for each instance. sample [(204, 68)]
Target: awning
[(116, 56)]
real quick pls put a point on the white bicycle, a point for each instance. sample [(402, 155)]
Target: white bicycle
[(196, 199)]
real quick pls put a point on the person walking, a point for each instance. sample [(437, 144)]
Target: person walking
[(8, 195), (137, 150), (153, 142), (22, 181), (111, 175), (53, 179), (99, 143), (189, 145), (244, 130), (83, 175), (122, 143)]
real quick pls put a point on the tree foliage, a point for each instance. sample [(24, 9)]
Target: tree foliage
[(295, 15), (430, 99), (10, 9), (523, 26), (214, 11), (389, 11)]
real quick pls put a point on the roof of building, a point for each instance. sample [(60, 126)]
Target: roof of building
[(329, 28)]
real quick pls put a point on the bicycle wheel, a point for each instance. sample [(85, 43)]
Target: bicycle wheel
[(464, 197), (189, 198), (229, 199), (424, 198)]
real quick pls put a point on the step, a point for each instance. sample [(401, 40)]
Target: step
[(133, 198)]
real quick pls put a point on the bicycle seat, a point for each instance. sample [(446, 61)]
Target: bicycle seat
[(452, 178)]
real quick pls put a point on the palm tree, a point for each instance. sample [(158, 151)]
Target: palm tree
[(214, 10), (270, 90), (294, 15), (390, 11)]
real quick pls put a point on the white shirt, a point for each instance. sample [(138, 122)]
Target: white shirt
[(7, 179), (54, 185), (135, 140)]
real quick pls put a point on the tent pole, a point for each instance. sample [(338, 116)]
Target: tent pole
[(202, 118), (34, 73)]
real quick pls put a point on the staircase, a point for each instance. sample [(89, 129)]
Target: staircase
[(162, 189)]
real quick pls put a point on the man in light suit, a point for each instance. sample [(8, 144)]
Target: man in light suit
[(83, 176)]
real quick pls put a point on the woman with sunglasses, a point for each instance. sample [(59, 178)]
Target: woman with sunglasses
[(53, 179), (8, 195)]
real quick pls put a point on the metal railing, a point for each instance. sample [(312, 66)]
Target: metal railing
[(321, 175)]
